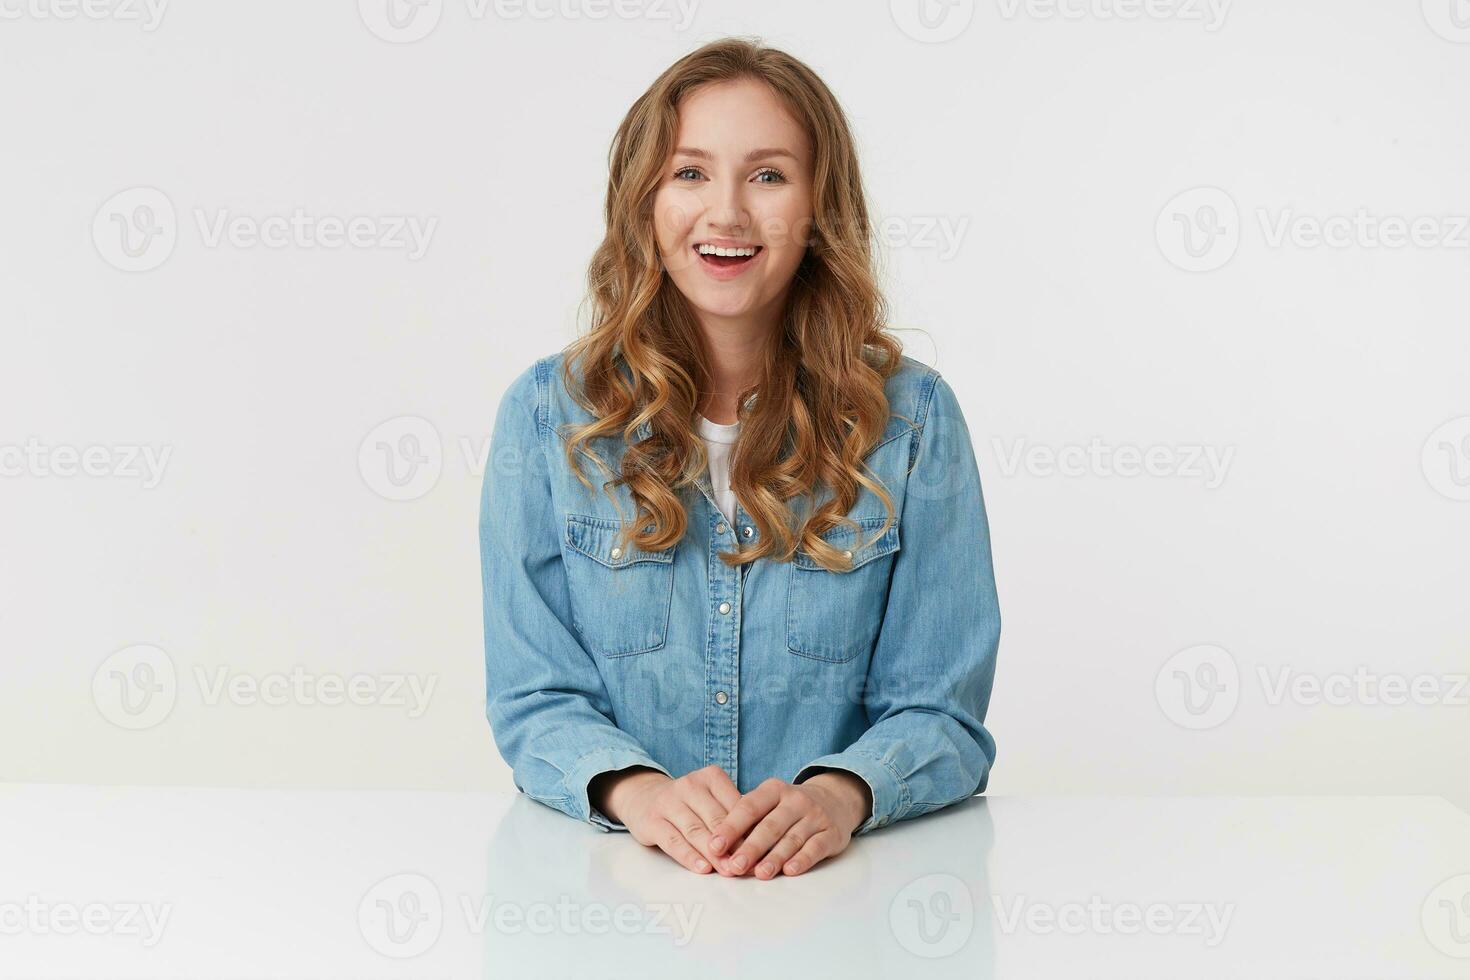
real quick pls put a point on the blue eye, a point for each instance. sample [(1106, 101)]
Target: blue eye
[(768, 172)]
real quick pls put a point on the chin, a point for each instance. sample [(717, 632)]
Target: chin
[(724, 305)]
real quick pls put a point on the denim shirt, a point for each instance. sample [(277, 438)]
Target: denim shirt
[(598, 658)]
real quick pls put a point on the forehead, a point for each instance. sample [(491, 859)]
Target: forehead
[(731, 118)]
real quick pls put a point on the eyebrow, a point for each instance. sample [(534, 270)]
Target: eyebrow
[(751, 157)]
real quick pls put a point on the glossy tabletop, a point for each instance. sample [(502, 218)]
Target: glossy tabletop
[(141, 882)]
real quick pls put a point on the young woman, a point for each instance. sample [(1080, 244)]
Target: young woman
[(736, 563)]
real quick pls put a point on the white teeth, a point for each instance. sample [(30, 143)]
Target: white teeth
[(716, 250)]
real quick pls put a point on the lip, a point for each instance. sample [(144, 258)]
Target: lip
[(726, 273), (727, 243)]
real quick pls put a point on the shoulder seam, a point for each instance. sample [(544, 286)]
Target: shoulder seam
[(927, 384), (539, 416), (544, 427)]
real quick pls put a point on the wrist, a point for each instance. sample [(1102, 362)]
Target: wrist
[(614, 793), (850, 793)]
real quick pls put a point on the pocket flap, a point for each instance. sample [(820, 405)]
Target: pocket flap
[(843, 539), (596, 538)]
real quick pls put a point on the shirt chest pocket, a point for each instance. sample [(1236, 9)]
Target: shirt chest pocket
[(835, 616), (620, 594)]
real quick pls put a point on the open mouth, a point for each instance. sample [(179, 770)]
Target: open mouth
[(734, 258)]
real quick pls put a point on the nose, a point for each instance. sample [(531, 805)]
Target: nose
[(727, 213)]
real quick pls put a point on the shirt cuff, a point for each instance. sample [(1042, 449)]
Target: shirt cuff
[(890, 792), (594, 764)]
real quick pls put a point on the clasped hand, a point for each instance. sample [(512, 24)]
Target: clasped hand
[(702, 821)]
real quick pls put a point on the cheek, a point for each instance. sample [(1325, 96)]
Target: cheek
[(787, 232), (673, 218)]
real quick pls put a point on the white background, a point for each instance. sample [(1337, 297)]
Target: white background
[(1029, 164)]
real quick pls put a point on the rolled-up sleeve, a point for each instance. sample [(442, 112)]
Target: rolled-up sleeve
[(929, 681), (545, 700)]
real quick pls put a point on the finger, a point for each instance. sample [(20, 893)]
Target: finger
[(718, 784), (709, 810), (672, 843), (692, 826), (787, 847), (821, 846), (748, 811), (722, 800), (721, 788), (765, 835)]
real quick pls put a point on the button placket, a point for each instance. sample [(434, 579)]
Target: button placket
[(722, 654)]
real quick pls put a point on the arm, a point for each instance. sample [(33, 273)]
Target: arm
[(929, 682), (547, 706)]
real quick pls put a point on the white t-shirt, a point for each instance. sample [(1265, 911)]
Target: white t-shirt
[(718, 441)]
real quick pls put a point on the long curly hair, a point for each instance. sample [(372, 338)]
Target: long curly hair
[(818, 405)]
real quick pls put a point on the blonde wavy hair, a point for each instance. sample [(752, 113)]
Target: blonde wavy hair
[(818, 405)]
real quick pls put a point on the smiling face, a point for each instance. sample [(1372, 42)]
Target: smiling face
[(739, 182)]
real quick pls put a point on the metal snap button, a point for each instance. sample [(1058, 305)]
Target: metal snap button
[(721, 697), (724, 608), (617, 552), (720, 528)]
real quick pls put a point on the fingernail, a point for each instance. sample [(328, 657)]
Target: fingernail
[(718, 843), (766, 869), (739, 864), (701, 865)]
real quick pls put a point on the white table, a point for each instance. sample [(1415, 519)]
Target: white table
[(135, 882)]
